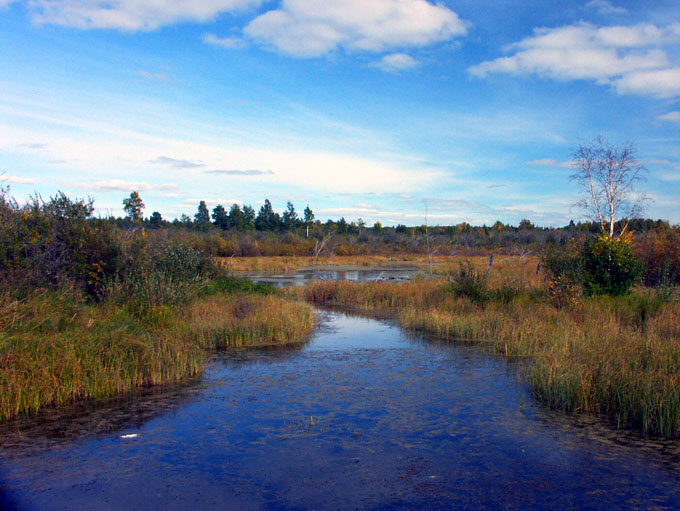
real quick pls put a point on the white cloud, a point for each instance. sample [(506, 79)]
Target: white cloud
[(629, 59), (670, 117), (395, 62), (605, 7), (231, 43), (121, 156), (661, 83), (109, 185), (131, 15), (176, 163), (309, 28), (551, 163), (18, 180)]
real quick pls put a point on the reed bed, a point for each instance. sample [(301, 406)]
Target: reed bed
[(55, 348), (619, 357)]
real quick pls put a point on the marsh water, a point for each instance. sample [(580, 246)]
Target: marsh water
[(395, 273), (361, 416)]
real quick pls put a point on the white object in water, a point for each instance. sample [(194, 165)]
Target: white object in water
[(132, 435)]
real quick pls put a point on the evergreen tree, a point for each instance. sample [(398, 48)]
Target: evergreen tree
[(248, 217), (290, 218), (236, 218), (202, 216), (220, 217), (267, 219), (156, 220)]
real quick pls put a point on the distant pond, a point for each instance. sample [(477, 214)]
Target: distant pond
[(304, 276), (362, 416)]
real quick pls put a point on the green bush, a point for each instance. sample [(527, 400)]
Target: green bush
[(610, 266)]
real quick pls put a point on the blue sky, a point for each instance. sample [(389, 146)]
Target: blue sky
[(360, 108)]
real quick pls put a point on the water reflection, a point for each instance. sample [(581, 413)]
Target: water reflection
[(363, 416), (304, 276)]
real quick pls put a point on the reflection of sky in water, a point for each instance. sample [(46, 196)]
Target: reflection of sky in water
[(362, 417), (301, 277)]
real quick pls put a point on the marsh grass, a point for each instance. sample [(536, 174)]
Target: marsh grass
[(290, 263), (55, 347), (616, 356)]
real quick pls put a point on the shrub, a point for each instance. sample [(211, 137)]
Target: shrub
[(564, 270), (470, 283), (610, 266), (660, 253)]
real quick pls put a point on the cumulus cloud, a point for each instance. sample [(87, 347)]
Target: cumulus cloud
[(662, 83), (628, 58), (395, 62), (18, 180), (670, 117), (606, 8), (131, 15), (309, 28), (249, 172), (175, 163)]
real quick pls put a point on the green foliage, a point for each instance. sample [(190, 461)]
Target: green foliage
[(290, 218), (610, 266), (220, 217), (133, 206), (167, 274), (267, 219), (202, 216), (309, 215), (48, 244), (156, 220)]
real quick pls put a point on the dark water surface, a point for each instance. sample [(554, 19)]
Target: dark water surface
[(364, 416)]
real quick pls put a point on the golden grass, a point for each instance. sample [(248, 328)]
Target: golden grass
[(615, 356), (55, 349), (289, 263), (505, 267)]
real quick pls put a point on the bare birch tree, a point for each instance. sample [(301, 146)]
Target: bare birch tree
[(608, 176)]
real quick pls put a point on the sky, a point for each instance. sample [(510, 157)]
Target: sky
[(384, 110)]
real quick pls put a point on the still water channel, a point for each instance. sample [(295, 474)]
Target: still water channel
[(362, 416)]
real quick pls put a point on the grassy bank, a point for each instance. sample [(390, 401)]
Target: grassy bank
[(616, 356), (55, 347)]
